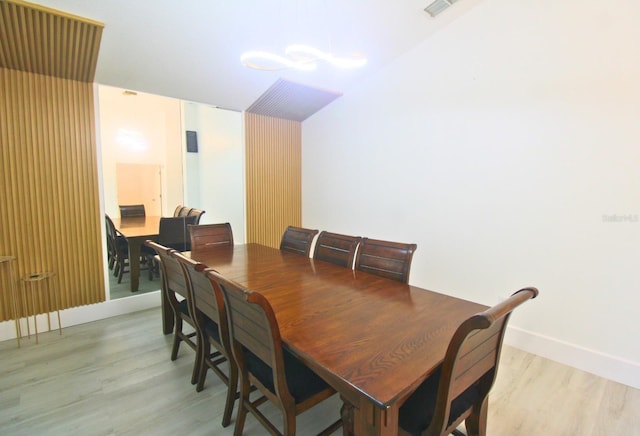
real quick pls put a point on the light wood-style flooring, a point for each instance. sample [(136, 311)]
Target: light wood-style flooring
[(114, 377)]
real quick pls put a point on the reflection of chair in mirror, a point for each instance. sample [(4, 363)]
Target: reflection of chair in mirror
[(297, 240), (336, 248), (118, 247), (386, 259), (173, 285), (213, 330), (132, 210), (210, 235), (172, 233), (458, 390), (197, 213), (262, 362)]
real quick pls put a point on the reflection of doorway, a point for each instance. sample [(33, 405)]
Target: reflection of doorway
[(140, 184)]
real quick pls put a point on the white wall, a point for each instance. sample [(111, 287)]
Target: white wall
[(214, 176), (140, 129), (499, 146)]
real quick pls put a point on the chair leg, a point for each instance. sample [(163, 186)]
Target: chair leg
[(176, 338), (476, 423), (242, 408), (203, 367), (231, 393), (120, 273)]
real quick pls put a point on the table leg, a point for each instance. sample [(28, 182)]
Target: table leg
[(371, 420), (134, 262)]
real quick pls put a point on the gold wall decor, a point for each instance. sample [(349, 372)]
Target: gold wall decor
[(274, 177)]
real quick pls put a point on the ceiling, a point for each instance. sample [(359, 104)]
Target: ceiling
[(191, 49)]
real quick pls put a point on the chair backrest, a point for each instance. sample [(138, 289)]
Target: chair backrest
[(297, 240), (174, 232), (210, 235), (178, 209), (386, 259), (173, 280), (253, 327), (111, 236), (184, 211), (132, 210), (207, 298), (336, 248), (472, 360), (197, 213)]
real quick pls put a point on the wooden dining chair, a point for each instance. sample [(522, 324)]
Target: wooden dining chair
[(212, 329), (336, 248), (297, 240), (264, 363), (184, 211), (197, 213), (177, 210), (176, 291), (386, 259), (132, 210), (210, 235), (118, 250), (458, 390)]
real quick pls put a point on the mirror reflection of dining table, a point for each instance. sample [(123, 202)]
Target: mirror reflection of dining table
[(373, 339), (137, 230)]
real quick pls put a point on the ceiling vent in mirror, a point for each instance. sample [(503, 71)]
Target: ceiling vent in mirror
[(438, 6)]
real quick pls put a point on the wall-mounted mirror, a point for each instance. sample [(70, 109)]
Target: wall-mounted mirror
[(144, 160)]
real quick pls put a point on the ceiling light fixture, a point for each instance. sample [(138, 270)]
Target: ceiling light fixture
[(299, 57)]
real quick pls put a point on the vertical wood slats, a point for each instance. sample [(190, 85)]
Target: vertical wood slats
[(274, 177), (50, 215), (40, 40)]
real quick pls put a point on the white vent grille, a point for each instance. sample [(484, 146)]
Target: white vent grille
[(438, 6)]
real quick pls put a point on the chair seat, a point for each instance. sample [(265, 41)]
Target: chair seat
[(303, 383), (417, 412), (183, 307), (211, 329)]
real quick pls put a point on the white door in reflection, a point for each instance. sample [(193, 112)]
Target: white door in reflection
[(140, 184)]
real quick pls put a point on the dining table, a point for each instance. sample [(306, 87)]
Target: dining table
[(373, 339), (137, 230)]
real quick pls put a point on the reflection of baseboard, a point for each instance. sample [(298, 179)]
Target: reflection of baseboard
[(84, 314), (604, 365)]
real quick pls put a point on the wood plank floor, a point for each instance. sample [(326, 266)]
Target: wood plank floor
[(114, 377)]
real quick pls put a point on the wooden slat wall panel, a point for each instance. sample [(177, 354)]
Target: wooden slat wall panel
[(50, 214), (41, 40), (274, 177)]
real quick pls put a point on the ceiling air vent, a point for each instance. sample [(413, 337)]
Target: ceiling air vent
[(438, 6)]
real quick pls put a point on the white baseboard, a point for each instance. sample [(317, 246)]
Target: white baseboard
[(84, 314), (601, 364), (604, 365)]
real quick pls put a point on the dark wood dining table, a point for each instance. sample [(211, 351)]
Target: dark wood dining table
[(137, 230), (371, 338)]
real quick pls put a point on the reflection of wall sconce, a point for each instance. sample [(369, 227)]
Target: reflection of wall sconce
[(131, 140), (192, 141)]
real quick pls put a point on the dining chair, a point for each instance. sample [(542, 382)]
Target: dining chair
[(118, 250), (173, 286), (210, 235), (212, 328), (386, 259), (184, 211), (297, 240), (132, 210), (458, 390), (173, 232), (197, 213), (177, 210), (336, 248), (264, 363)]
